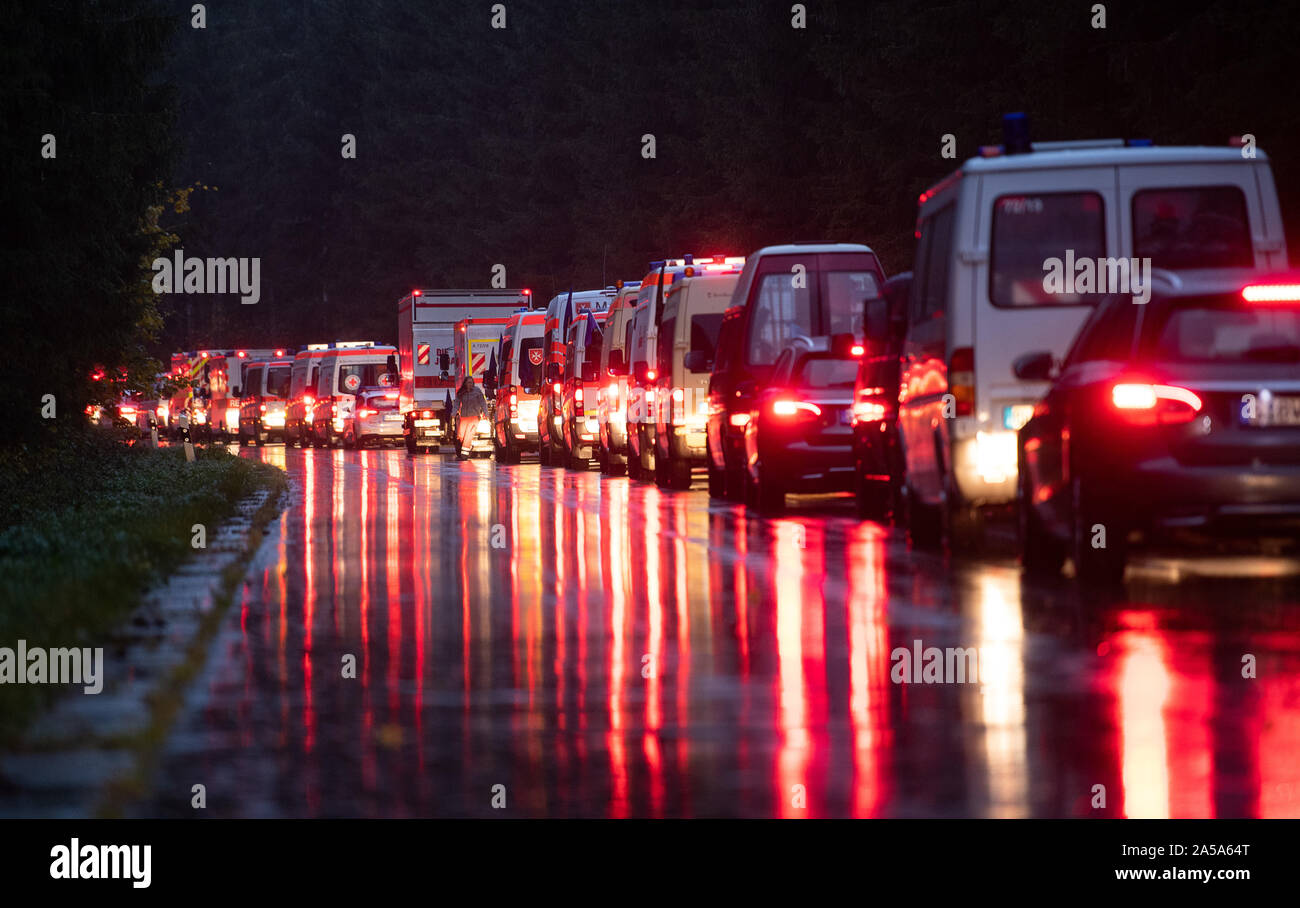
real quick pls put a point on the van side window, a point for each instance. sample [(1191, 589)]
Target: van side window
[(1192, 227), (726, 344), (938, 263), (665, 351), (917, 296), (1030, 230), (781, 311)]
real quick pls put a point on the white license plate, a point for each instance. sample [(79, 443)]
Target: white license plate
[(393, 417), (1273, 411), (426, 422)]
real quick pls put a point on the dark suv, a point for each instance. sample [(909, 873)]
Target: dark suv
[(809, 289), (876, 452)]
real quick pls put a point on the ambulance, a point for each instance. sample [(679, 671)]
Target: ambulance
[(426, 344), (518, 385), (560, 313)]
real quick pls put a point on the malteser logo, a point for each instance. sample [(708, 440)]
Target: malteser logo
[(37, 665), (103, 862)]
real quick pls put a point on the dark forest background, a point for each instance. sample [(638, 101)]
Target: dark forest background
[(522, 146)]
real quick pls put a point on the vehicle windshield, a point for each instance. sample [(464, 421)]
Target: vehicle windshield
[(353, 376), (825, 373), (380, 401), (277, 381), (846, 291), (1030, 230), (1192, 227), (704, 333), (1222, 332), (530, 363)]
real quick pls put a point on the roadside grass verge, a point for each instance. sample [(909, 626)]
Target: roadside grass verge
[(87, 524)]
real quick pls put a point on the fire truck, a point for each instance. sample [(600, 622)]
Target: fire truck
[(426, 341)]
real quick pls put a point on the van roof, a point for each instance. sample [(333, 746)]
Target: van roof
[(1109, 156), (804, 248)]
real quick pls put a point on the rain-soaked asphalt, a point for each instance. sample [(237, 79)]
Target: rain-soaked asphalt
[(603, 648)]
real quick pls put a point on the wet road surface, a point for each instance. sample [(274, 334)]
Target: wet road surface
[(604, 648)]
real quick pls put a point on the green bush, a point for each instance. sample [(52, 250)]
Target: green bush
[(87, 524)]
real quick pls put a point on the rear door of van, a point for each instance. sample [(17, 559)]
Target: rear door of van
[(1202, 215)]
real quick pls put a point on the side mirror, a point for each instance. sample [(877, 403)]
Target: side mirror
[(391, 365), (444, 362), (697, 361), (617, 363), (1036, 366)]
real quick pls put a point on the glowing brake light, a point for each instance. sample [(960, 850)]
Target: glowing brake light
[(650, 375), (739, 420), (1148, 405), (366, 412), (1271, 293), (786, 407), (857, 350), (426, 414), (308, 399)]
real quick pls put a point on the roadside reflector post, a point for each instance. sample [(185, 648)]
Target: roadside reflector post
[(189, 450), (153, 434)]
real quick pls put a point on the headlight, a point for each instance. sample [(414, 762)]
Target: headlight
[(275, 419), (484, 426), (995, 456), (592, 426)]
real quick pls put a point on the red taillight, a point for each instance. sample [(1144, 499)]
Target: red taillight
[(514, 401), (263, 408), (1271, 293), (366, 412), (1145, 404), (577, 394), (961, 379), (308, 399), (578, 407), (415, 293), (786, 407), (556, 387), (426, 414)]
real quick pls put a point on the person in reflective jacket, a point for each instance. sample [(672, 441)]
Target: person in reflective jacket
[(471, 406)]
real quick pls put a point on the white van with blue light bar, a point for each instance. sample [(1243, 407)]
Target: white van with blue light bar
[(994, 239)]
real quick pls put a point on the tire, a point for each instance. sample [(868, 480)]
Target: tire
[(764, 493), (924, 523), (717, 481), (872, 499), (1095, 567), (962, 525), (1041, 553)]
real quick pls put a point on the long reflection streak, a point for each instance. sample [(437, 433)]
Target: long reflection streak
[(1143, 692), (792, 758)]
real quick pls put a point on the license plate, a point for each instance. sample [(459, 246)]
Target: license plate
[(393, 417), (426, 422), (1272, 411)]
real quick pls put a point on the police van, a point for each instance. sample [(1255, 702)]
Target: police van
[(1013, 251)]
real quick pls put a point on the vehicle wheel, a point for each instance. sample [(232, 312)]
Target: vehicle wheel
[(717, 481), (1096, 565), (765, 493), (872, 498), (924, 523), (679, 475), (733, 481), (663, 478), (1041, 554), (962, 525)]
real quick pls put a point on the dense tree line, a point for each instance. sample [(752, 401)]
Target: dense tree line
[(87, 144), (524, 145)]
